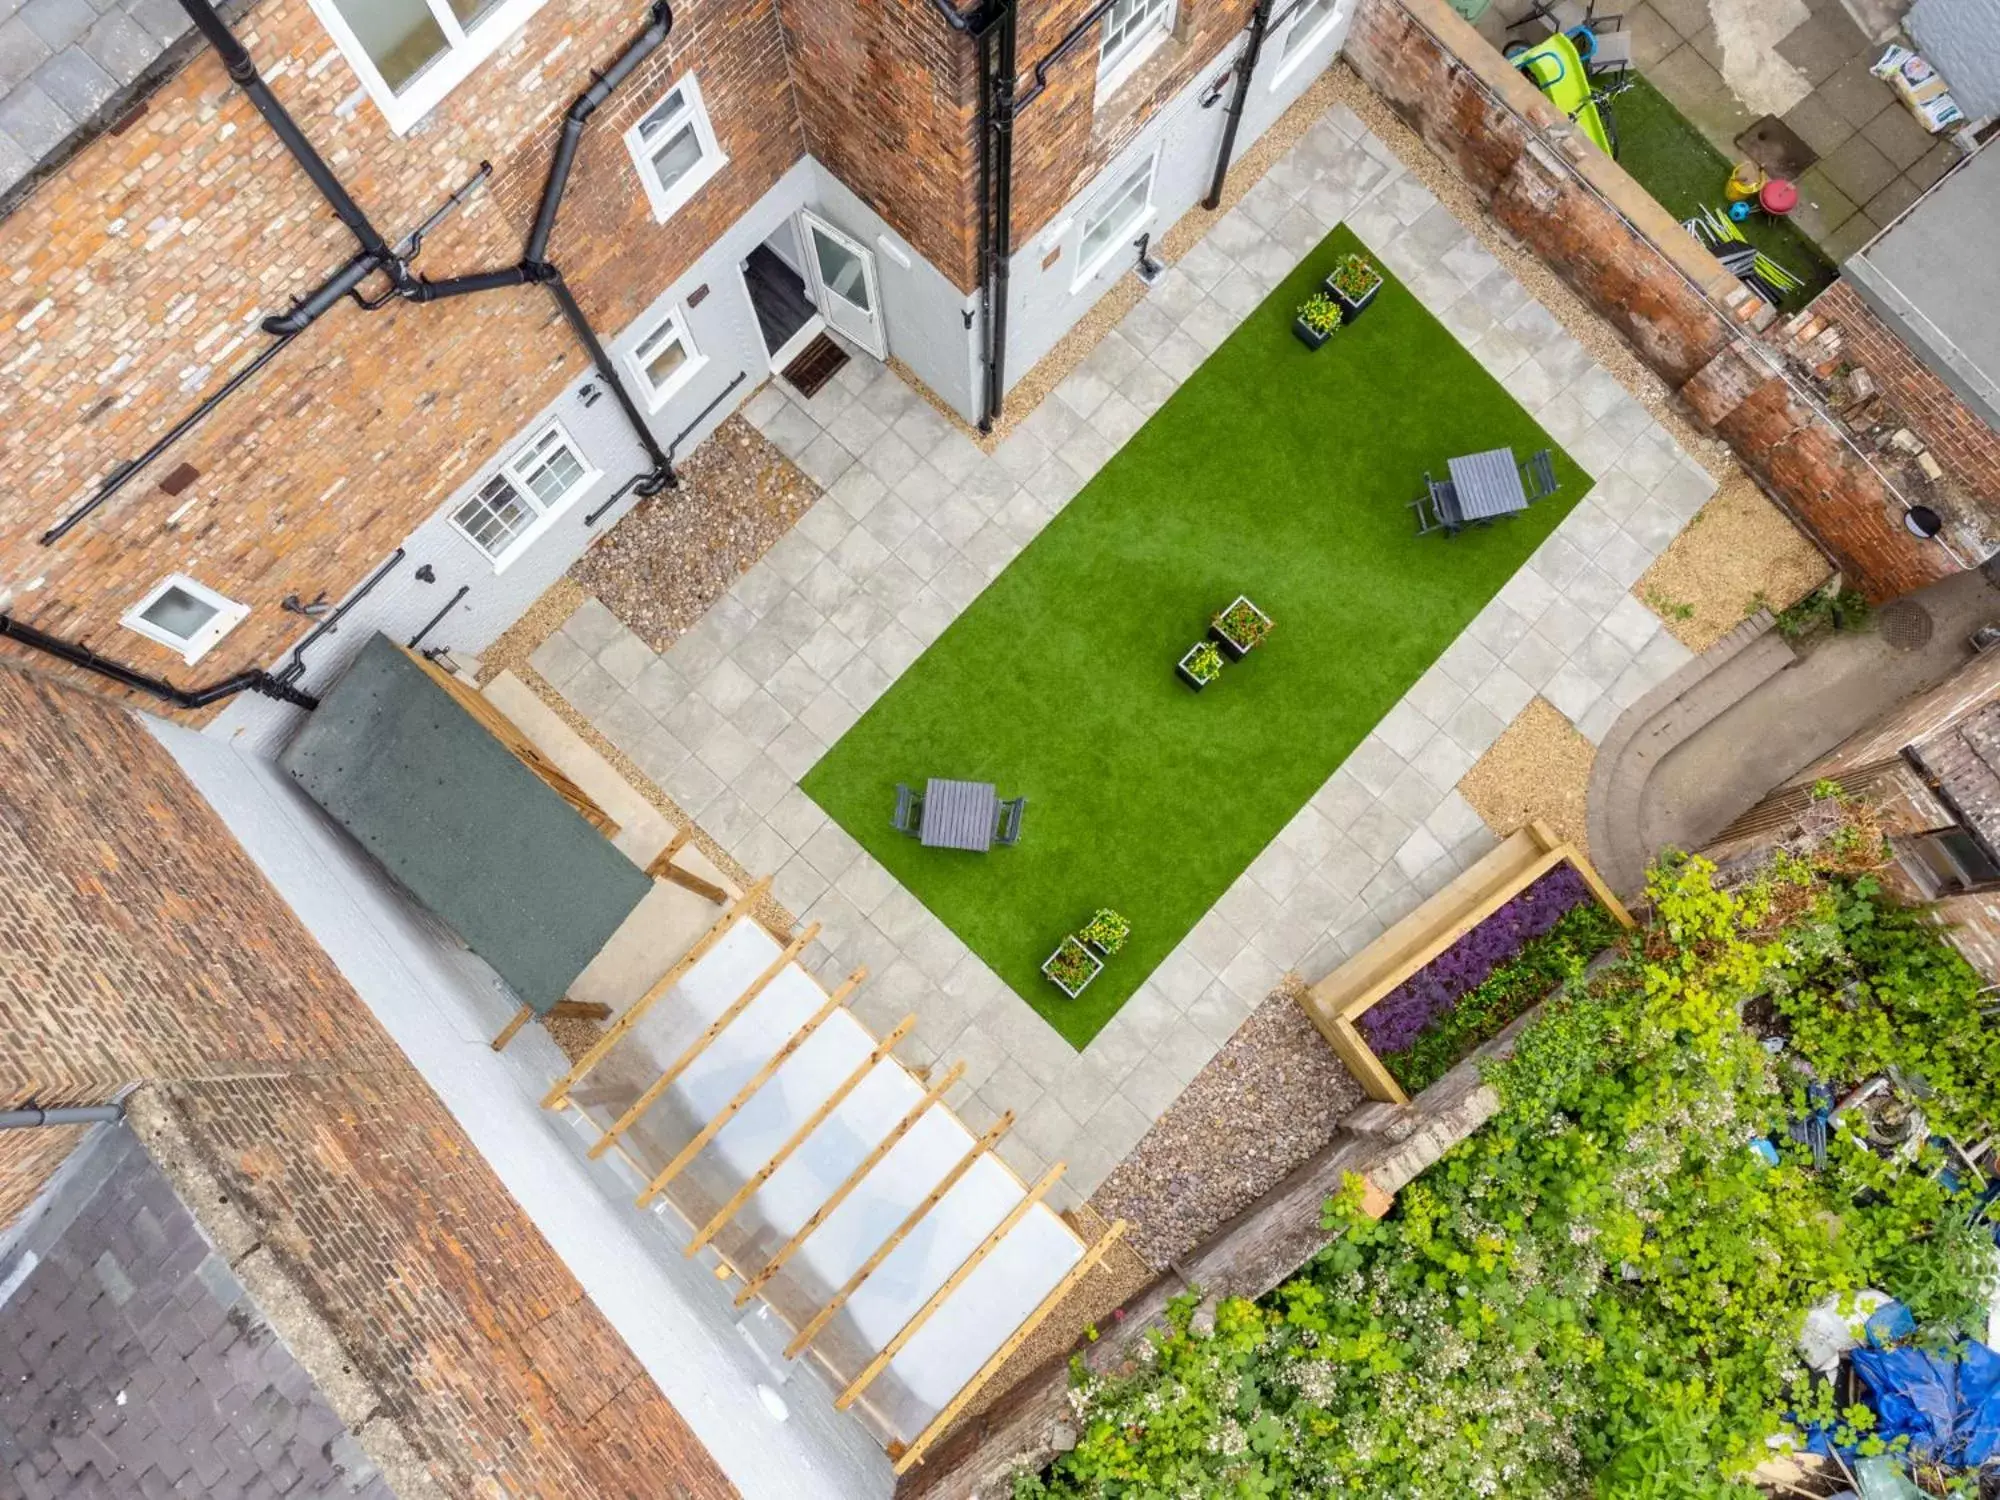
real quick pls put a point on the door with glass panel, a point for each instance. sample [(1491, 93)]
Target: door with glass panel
[(844, 284)]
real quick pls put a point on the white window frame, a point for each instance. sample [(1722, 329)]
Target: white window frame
[(228, 615), (514, 472), (1293, 48), (1087, 269), (464, 52), (658, 396), (1116, 65), (668, 200)]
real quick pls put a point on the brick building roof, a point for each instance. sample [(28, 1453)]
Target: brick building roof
[(133, 1362), (1965, 761)]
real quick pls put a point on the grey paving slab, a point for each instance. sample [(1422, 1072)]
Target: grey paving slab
[(917, 520)]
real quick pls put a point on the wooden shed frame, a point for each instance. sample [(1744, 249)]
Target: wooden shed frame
[(934, 1083), (1336, 1002)]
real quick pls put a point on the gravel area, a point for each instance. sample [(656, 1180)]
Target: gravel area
[(674, 555), (1737, 555), (1538, 768), (1273, 1096), (524, 637)]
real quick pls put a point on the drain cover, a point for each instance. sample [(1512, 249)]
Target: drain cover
[(1777, 148), (1905, 624)]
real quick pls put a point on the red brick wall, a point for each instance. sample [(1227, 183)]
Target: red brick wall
[(889, 97), (28, 1159), (139, 944), (1964, 446), (136, 274), (1068, 135), (1624, 255)]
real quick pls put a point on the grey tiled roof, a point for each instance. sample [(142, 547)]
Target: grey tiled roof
[(63, 62), (134, 1363)]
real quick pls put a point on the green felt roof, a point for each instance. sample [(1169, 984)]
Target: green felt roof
[(471, 832)]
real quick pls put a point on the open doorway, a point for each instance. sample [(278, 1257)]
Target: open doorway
[(788, 317)]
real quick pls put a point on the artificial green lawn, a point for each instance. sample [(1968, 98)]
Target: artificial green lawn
[(1273, 471), (1674, 162)]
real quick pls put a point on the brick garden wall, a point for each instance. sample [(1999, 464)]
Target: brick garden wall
[(1689, 320), (1964, 446), (140, 945), (132, 281), (28, 1159)]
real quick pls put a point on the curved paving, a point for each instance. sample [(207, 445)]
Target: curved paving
[(1666, 717)]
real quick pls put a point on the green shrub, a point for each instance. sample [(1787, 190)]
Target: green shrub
[(1599, 1292)]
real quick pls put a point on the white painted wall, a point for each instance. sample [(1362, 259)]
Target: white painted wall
[(442, 1004), (724, 328), (1045, 303)]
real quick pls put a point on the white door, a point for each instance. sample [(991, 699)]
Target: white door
[(844, 284)]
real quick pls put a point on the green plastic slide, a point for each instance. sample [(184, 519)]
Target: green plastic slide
[(1557, 70)]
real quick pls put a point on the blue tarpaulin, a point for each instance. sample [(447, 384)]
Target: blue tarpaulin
[(1947, 1403)]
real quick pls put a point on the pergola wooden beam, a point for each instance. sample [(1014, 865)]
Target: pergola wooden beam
[(867, 1164), (916, 1216), (638, 1008), (747, 1092), (701, 1043), (915, 1452), (798, 1137), (562, 1010), (952, 1283)]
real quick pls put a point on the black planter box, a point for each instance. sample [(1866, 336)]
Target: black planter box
[(1181, 670), (1350, 310), (1306, 335)]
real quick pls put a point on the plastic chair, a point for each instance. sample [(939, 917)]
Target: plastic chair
[(909, 816), (1538, 476), (1007, 830)]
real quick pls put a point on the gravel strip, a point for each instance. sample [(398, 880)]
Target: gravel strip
[(524, 637), (1273, 1096), (1538, 768), (674, 555), (1738, 555)]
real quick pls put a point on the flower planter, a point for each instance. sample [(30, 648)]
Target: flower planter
[(1072, 967), (1225, 634), (1105, 932), (1200, 665), (1352, 305), (1307, 335)]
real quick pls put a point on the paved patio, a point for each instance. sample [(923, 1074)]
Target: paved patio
[(916, 521)]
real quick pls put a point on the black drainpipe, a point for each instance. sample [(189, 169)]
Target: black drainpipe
[(1246, 65), (393, 261), (256, 680)]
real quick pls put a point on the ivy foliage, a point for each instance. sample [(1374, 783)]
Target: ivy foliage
[(1599, 1293)]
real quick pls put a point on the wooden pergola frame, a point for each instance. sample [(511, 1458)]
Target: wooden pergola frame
[(1338, 1001), (933, 1097)]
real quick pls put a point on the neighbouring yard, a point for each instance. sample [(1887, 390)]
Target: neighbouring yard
[(1602, 1292), (1674, 162), (1274, 472)]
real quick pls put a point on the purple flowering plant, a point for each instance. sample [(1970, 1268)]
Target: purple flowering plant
[(1393, 1023)]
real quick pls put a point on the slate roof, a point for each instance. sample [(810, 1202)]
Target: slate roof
[(69, 67), (1965, 760), (134, 1363)]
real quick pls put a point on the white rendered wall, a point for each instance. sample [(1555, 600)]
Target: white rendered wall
[(1043, 303), (442, 1004)]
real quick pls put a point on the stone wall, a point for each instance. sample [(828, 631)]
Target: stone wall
[(139, 945), (1688, 319)]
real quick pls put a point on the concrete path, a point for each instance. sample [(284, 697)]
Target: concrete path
[(1837, 687), (916, 521)]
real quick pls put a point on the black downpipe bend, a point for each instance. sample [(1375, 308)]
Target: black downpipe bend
[(663, 468), (256, 680), (1246, 65)]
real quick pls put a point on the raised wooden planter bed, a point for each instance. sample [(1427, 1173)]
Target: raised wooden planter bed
[(1338, 1001)]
